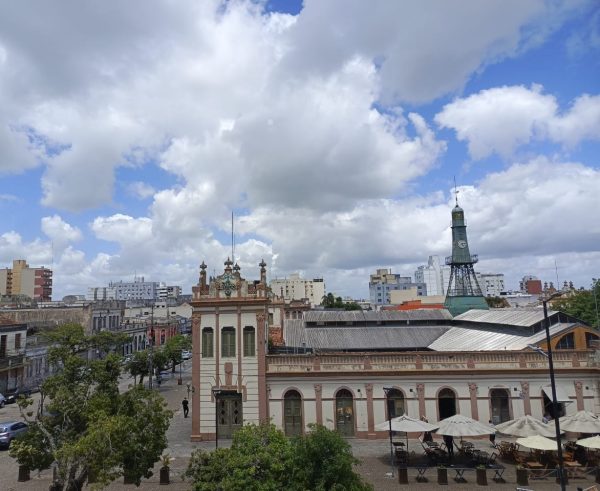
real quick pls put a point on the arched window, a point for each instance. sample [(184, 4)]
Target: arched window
[(292, 413), (566, 342), (499, 402), (589, 339), (228, 342), (207, 342), (446, 403), (344, 413), (395, 403), (249, 343)]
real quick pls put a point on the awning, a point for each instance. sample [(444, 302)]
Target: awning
[(561, 395)]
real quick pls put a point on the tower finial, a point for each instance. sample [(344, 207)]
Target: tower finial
[(455, 192)]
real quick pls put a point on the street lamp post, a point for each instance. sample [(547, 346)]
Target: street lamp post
[(387, 391), (216, 391), (560, 470)]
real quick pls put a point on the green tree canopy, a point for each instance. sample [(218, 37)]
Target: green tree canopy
[(330, 301), (262, 458), (173, 348), (84, 424), (583, 304)]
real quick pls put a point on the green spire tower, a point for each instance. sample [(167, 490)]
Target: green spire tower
[(463, 292)]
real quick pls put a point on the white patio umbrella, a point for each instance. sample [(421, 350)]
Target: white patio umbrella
[(538, 442), (581, 422), (459, 425), (406, 424), (591, 442), (526, 426)]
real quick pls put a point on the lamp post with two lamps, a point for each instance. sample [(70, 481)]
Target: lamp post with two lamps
[(387, 391), (548, 354)]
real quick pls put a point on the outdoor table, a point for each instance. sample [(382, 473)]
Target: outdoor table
[(498, 471), (573, 469), (421, 469), (460, 471), (536, 469)]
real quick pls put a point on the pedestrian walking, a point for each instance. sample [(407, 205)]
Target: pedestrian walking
[(427, 436), (186, 409), (492, 435), (449, 441)]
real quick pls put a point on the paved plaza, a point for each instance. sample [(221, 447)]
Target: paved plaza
[(373, 454)]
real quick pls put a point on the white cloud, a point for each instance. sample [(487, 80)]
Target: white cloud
[(60, 232), (501, 119), (140, 190)]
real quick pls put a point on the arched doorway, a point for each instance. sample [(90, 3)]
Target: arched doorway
[(395, 403), (292, 413), (344, 413), (500, 405), (446, 403)]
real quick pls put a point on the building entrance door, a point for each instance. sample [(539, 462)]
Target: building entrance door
[(344, 413), (292, 404), (230, 416)]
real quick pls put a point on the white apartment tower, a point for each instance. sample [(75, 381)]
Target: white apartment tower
[(434, 275), (295, 288)]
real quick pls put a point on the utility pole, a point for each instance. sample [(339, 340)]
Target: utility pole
[(151, 353)]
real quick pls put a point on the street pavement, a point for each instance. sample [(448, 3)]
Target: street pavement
[(374, 455)]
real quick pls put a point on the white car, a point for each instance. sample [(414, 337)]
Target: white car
[(186, 355)]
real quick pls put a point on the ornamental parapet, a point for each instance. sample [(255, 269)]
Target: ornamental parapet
[(427, 361)]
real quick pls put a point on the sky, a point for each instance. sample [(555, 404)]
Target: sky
[(333, 130)]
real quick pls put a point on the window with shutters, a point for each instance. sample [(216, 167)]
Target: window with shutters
[(207, 342), (228, 342), (249, 341)]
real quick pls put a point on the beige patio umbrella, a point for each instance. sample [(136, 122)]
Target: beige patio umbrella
[(526, 426), (538, 442), (459, 425), (591, 442), (581, 422), (406, 424)]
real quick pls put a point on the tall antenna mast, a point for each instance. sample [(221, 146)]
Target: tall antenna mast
[(455, 191)]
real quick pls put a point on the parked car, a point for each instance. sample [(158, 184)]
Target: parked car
[(13, 394), (2, 400), (186, 355), (9, 430)]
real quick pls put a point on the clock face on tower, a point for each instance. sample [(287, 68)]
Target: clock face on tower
[(462, 244)]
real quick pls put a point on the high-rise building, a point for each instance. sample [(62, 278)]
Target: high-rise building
[(36, 283), (434, 275), (136, 290), (97, 293), (295, 288), (492, 284), (167, 291), (384, 281), (530, 284)]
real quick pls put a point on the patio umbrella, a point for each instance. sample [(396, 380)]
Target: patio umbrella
[(526, 426), (591, 442), (459, 425), (406, 424), (538, 442), (581, 422)]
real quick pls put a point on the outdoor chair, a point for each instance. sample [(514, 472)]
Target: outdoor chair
[(483, 457), (492, 459)]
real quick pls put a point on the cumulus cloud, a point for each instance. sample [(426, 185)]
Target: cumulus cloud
[(60, 232), (501, 119), (140, 190)]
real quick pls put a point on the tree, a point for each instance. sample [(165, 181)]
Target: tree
[(323, 460), (582, 304), (330, 301), (262, 458), (497, 302), (173, 348), (83, 424)]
